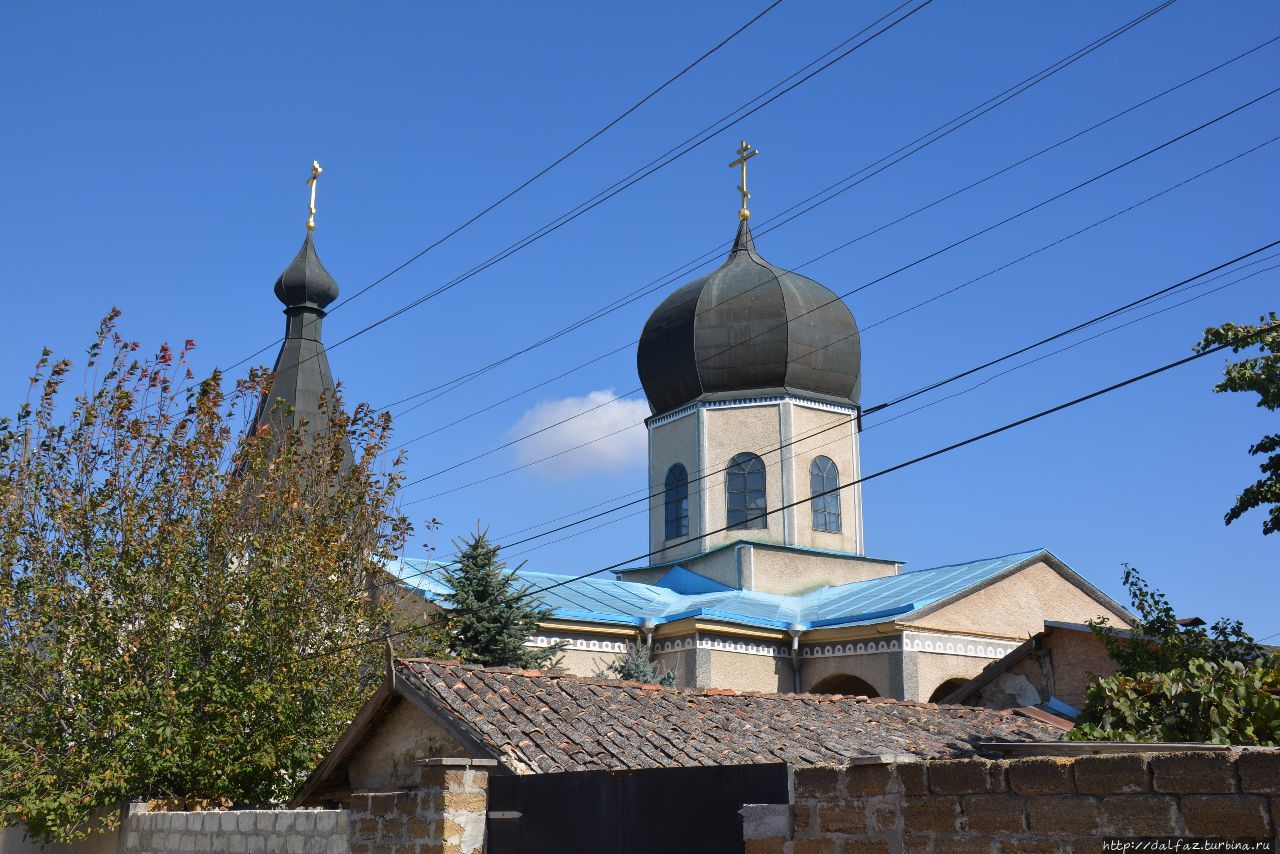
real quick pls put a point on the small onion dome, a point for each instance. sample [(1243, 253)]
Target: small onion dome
[(749, 327), (306, 282)]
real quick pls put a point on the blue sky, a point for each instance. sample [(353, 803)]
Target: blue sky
[(155, 156)]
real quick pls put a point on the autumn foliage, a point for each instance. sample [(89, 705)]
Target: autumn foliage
[(183, 601)]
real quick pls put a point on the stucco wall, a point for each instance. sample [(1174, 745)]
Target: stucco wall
[(670, 443), (1018, 605), (730, 431), (829, 434), (787, 571), (743, 672), (13, 840), (883, 670), (923, 672), (387, 761)]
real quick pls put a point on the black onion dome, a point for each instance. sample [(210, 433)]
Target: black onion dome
[(306, 282), (791, 335)]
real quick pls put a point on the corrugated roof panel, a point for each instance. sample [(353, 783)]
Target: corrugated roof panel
[(629, 602)]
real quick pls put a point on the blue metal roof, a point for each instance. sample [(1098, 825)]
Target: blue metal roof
[(681, 594)]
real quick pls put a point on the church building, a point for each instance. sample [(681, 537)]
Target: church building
[(758, 577)]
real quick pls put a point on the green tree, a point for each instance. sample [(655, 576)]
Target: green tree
[(1180, 683), (635, 665), (489, 616), (170, 626), (1260, 374)]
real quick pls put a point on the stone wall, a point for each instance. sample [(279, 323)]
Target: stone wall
[(445, 814), (283, 831), (1034, 805)]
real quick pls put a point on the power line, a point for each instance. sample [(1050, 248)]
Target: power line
[(952, 396), (955, 288), (543, 171), (555, 225), (1155, 295), (923, 457), (885, 162), (888, 275), (858, 481)]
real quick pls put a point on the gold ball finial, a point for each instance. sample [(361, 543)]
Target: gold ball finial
[(745, 153)]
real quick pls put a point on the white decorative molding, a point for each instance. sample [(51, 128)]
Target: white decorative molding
[(965, 645), (744, 647), (931, 642), (668, 417), (583, 644), (853, 647)]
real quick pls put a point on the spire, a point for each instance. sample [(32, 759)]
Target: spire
[(301, 378), (743, 241)]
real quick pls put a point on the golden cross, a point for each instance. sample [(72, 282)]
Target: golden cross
[(745, 153), (315, 173)]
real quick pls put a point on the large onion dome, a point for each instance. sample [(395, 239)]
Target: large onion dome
[(749, 327)]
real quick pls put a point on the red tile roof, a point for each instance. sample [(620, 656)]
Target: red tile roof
[(546, 721)]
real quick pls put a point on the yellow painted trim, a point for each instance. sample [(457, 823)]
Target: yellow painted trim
[(738, 631), (934, 630), (850, 633), (689, 625), (589, 629)]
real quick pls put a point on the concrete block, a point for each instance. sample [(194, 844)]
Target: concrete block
[(1138, 815), (1260, 772), (1041, 775), (1226, 816), (766, 821), (818, 782), (1063, 816), (1114, 774), (934, 815), (963, 777), (1193, 773), (994, 814)]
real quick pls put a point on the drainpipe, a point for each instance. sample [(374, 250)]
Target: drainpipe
[(647, 627), (795, 629)]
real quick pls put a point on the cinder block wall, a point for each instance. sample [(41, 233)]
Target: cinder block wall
[(283, 831), (1035, 805), (444, 815)]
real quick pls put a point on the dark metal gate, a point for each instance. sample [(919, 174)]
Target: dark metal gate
[(648, 811)]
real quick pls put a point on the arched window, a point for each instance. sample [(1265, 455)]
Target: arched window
[(677, 501), (824, 477), (744, 487)]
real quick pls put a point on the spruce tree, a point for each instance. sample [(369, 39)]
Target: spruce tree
[(490, 616), (635, 665)]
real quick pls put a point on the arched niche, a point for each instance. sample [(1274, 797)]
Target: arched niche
[(945, 690), (844, 683)]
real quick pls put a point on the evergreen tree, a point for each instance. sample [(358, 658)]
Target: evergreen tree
[(635, 665), (489, 617)]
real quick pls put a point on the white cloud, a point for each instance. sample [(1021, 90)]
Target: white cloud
[(621, 417)]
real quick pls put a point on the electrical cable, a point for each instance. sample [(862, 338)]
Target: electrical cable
[(954, 446), (1133, 304), (883, 277), (543, 171), (770, 224)]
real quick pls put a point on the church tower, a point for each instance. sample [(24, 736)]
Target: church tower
[(301, 378), (752, 373)]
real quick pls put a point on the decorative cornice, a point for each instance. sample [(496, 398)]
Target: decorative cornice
[(761, 400)]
